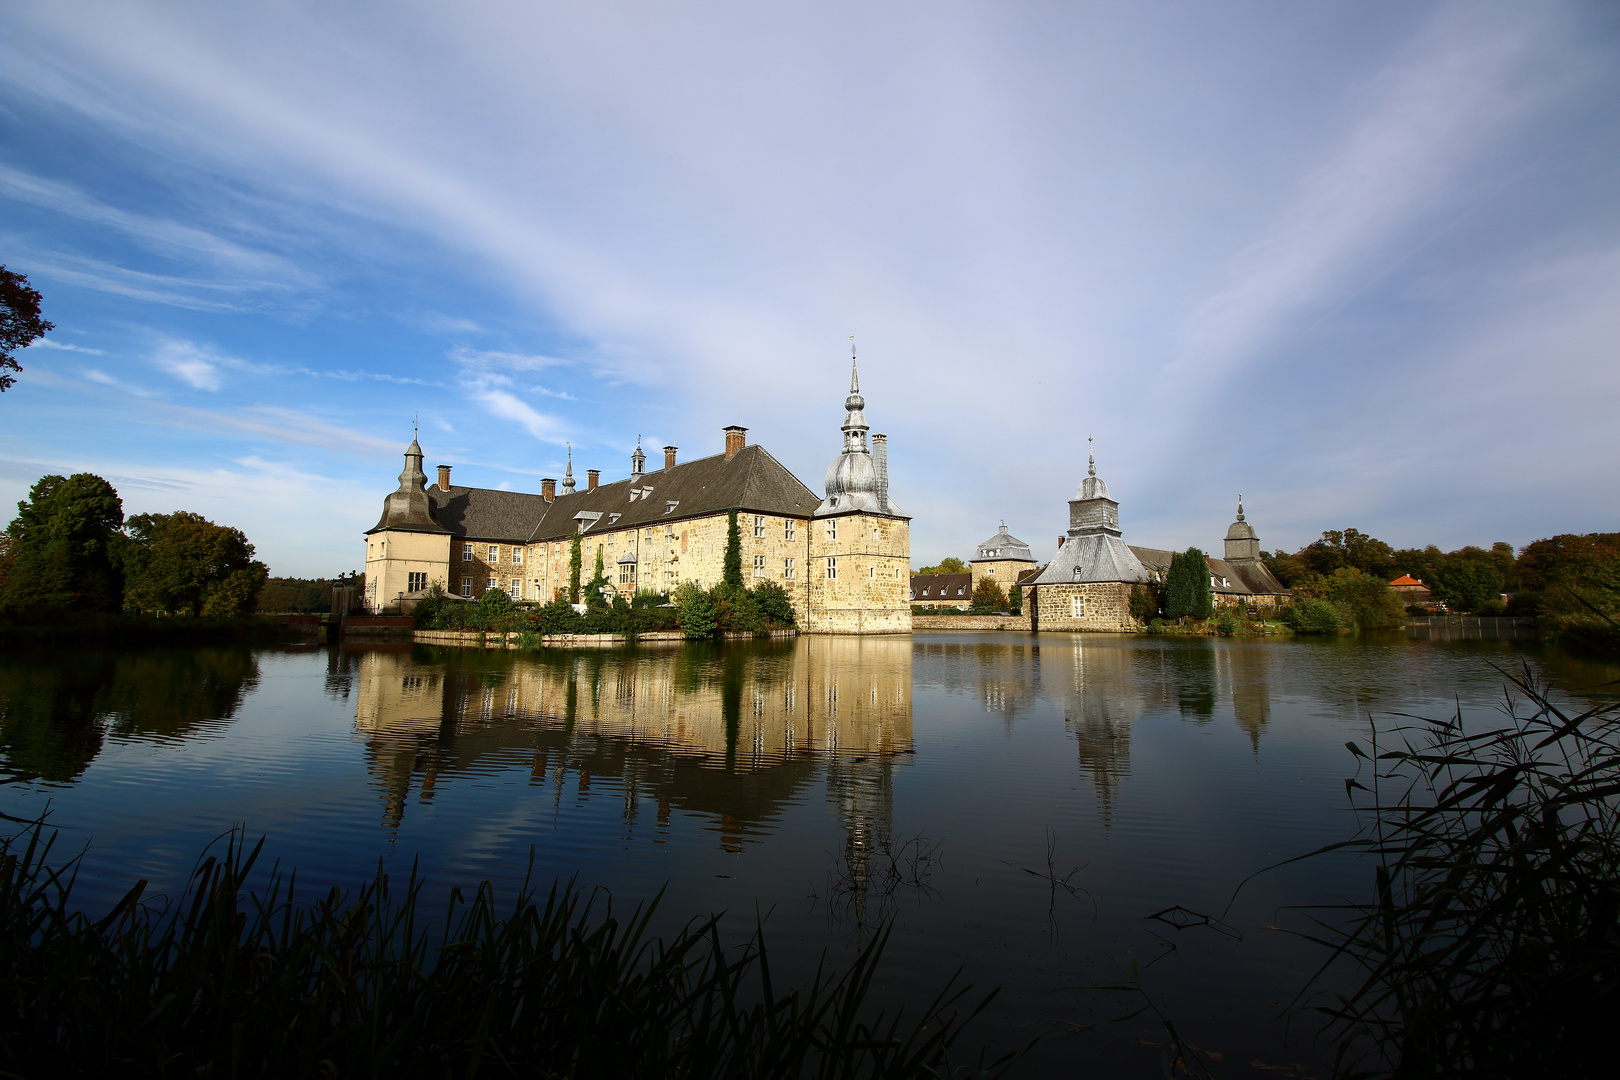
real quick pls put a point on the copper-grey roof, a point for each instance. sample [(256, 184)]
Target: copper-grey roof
[(1098, 556), (751, 480), (1003, 546)]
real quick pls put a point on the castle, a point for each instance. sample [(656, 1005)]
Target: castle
[(844, 559)]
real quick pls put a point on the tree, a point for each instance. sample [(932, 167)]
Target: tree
[(65, 538), (573, 569), (20, 322), (1186, 586), (1351, 547), (184, 564), (950, 565), (1284, 567), (695, 610), (775, 606), (733, 570), (987, 596), (594, 592), (1470, 577), (1144, 602)]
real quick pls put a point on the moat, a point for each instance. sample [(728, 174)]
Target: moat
[(1017, 806)]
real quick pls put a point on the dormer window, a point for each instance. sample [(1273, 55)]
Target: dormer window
[(669, 507), (614, 517)]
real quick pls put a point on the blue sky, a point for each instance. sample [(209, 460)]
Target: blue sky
[(1359, 261)]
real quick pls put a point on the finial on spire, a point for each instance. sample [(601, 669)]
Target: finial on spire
[(1240, 506), (1091, 458), (415, 430), (854, 376)]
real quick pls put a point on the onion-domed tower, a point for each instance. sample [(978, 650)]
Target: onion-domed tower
[(860, 542)]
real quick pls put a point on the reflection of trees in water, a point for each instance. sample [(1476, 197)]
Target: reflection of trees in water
[(56, 711), (729, 732)]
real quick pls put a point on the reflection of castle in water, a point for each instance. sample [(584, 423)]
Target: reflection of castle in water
[(732, 734)]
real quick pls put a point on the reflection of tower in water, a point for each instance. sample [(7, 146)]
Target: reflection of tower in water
[(861, 791), (1101, 702)]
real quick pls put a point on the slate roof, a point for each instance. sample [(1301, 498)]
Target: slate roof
[(1240, 578), (1003, 546), (1099, 556), (952, 587), (751, 480)]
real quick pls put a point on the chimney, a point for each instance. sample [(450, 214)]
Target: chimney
[(1061, 539), (593, 477), (444, 478), (880, 464), (548, 489), (736, 439), (669, 456)]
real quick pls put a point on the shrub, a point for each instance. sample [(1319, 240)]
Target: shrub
[(1144, 602), (1309, 615), (774, 606), (1524, 603), (698, 618), (1228, 622), (988, 597)]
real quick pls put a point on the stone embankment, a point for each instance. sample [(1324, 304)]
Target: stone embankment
[(479, 639), (968, 622)]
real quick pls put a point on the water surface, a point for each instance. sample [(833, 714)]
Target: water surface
[(1017, 806)]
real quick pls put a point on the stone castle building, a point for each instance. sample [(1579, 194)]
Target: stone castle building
[(843, 559), (1087, 585)]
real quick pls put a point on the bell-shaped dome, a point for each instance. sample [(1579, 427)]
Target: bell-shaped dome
[(852, 481)]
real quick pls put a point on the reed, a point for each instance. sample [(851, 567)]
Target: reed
[(1491, 947), (232, 982)]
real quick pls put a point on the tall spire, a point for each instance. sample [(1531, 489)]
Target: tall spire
[(568, 477)]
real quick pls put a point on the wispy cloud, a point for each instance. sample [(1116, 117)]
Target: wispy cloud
[(192, 364), (507, 406), (47, 343)]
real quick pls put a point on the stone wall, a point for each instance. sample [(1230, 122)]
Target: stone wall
[(1103, 606), (479, 639), (1003, 572), (920, 623)]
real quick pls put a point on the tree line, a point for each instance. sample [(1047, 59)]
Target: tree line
[(70, 550)]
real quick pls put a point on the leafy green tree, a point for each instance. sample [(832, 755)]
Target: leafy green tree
[(695, 609), (1015, 600), (1186, 586), (1310, 615), (987, 596), (1284, 567), (595, 592), (182, 563), (1349, 547), (774, 604), (574, 561), (1144, 602), (1471, 578), (950, 565), (20, 322), (733, 568), (66, 538)]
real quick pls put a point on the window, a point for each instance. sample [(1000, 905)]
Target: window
[(873, 573), (832, 568), (516, 588), (614, 517), (832, 529), (466, 554), (897, 573), (759, 566), (759, 526), (417, 582), (517, 556), (874, 532), (787, 569), (787, 529), (494, 554), (466, 586), (492, 584), (1077, 606), (669, 532), (627, 573)]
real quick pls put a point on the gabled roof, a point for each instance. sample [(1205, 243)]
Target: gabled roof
[(1243, 578), (751, 480), (1406, 579)]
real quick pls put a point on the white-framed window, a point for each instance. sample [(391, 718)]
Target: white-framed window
[(759, 566), (832, 568), (416, 582), (517, 556), (492, 584), (1077, 606), (759, 526), (627, 573), (832, 529), (669, 532), (466, 586), (787, 529), (669, 577), (515, 589), (466, 553), (787, 569), (494, 554)]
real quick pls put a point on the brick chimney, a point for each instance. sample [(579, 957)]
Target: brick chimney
[(548, 489), (1061, 539), (593, 477), (444, 478), (736, 439), (669, 456)]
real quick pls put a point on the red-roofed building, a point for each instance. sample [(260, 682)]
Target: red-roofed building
[(1410, 590)]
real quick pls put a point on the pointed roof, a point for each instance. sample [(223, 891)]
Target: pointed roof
[(409, 508), (1003, 546)]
